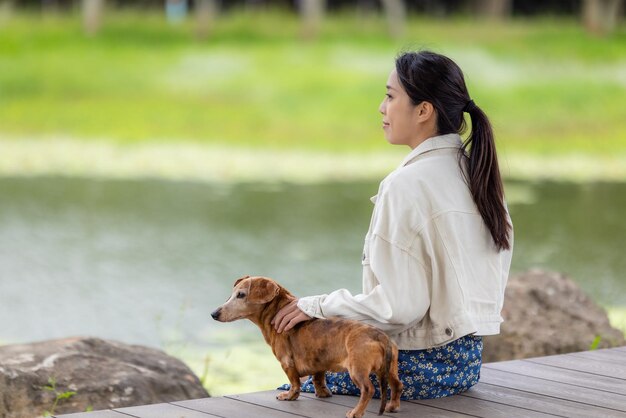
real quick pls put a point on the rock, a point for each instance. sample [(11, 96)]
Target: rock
[(547, 313), (104, 374)]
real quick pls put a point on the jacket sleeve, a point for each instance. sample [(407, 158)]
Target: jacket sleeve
[(400, 298)]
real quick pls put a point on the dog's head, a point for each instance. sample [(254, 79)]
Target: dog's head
[(249, 297)]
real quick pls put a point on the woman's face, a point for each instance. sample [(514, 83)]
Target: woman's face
[(403, 122)]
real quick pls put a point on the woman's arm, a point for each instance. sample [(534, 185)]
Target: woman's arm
[(400, 298)]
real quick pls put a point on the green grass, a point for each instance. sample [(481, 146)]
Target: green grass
[(548, 86), (241, 368)]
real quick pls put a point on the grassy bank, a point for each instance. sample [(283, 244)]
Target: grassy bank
[(193, 161), (549, 87)]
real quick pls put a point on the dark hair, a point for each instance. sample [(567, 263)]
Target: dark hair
[(434, 78)]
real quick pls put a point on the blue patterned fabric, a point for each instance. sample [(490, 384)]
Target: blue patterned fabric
[(425, 374)]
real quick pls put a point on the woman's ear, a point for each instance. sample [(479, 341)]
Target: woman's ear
[(425, 110)]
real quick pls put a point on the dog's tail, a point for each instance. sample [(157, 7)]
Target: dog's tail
[(384, 377)]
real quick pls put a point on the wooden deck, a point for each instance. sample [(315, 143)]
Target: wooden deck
[(586, 384)]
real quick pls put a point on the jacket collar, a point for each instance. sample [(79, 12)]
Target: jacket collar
[(431, 144)]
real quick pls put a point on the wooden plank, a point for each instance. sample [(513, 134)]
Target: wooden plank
[(582, 384), (231, 408), (408, 409), (535, 402), (481, 408), (557, 374), (611, 356), (590, 366), (304, 406), (554, 389), (163, 410), (614, 350), (106, 413)]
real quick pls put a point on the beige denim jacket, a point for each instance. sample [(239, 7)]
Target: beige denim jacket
[(431, 272)]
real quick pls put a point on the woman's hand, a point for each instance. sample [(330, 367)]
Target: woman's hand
[(288, 317)]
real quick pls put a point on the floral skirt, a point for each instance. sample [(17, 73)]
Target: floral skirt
[(432, 373)]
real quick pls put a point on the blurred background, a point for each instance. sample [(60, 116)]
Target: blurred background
[(152, 152)]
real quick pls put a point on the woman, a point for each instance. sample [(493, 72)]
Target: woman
[(437, 254)]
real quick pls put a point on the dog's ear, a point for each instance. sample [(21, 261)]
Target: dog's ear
[(262, 290), (240, 279)]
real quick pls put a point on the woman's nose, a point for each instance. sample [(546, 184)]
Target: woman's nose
[(381, 108)]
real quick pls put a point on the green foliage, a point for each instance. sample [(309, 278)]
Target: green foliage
[(596, 342), (59, 395), (548, 86)]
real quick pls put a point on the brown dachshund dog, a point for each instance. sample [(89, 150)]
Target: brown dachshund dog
[(315, 346)]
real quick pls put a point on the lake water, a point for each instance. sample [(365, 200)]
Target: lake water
[(147, 261)]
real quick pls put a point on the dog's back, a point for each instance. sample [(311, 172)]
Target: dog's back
[(325, 344)]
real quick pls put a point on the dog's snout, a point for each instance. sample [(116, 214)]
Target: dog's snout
[(216, 313)]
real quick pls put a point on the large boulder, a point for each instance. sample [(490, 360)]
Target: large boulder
[(547, 313), (104, 374)]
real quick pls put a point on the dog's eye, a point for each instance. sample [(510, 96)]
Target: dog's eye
[(241, 295)]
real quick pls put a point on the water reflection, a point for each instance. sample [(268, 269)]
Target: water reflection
[(146, 261)]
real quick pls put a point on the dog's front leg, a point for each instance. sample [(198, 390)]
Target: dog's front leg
[(294, 380)]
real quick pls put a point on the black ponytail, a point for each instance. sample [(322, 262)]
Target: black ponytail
[(431, 77), (484, 178)]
